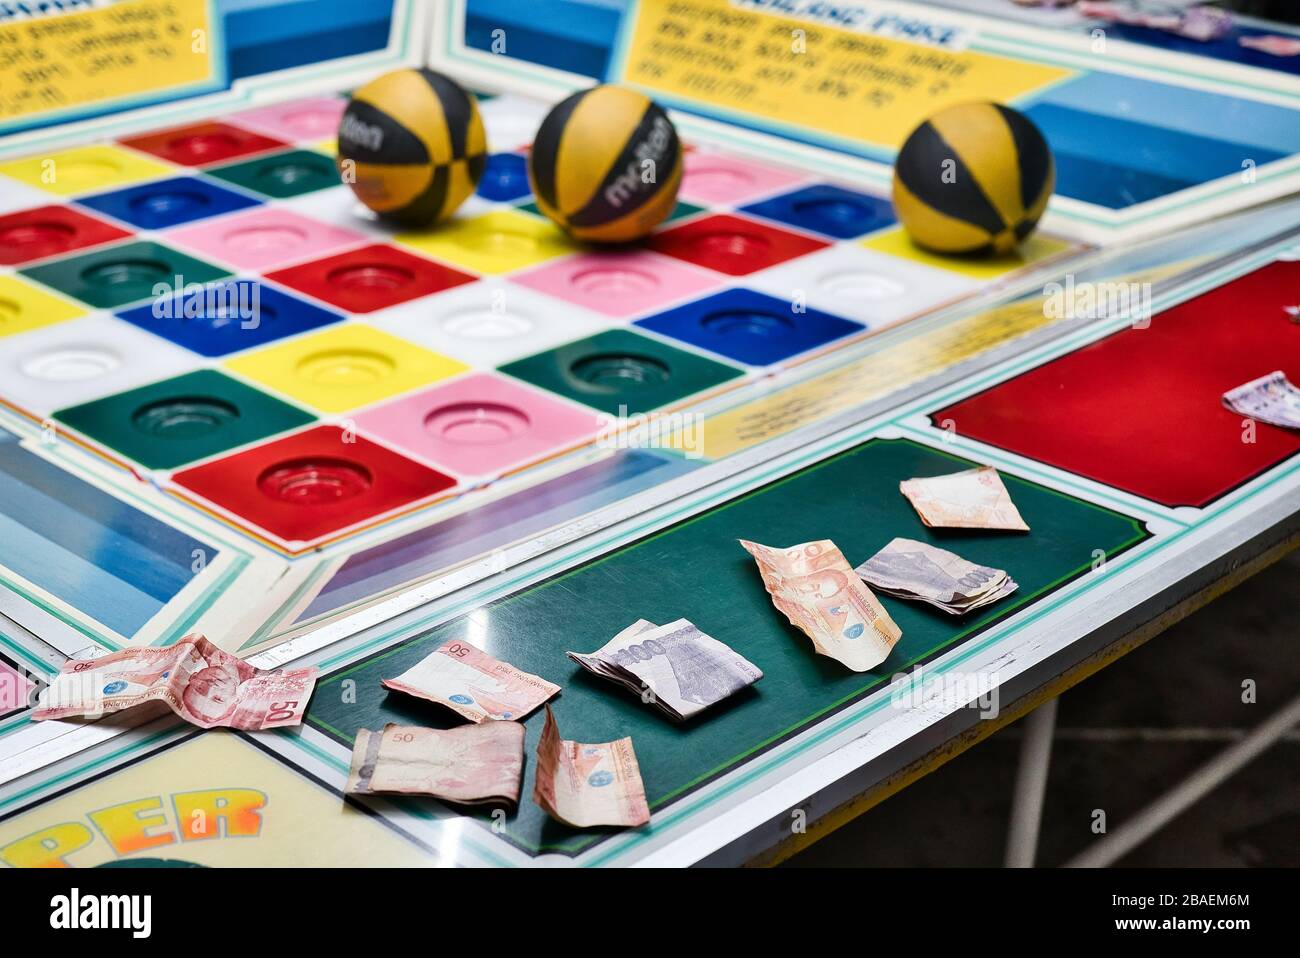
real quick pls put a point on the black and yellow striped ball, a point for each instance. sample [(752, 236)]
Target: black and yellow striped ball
[(974, 178), (606, 165), (412, 146)]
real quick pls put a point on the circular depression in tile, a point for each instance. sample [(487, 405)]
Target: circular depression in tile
[(71, 364), (862, 284), (613, 281), (265, 239), (842, 212), (89, 171), (204, 144), (620, 371), (126, 272), (346, 367), (39, 238), (166, 202), (486, 325), (315, 481), (500, 242), (715, 177), (370, 277), (312, 121), (188, 417), (476, 424), (290, 173), (747, 322), (733, 244)]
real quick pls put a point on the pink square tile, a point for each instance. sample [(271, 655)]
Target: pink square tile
[(309, 120), (714, 178), (619, 284), (480, 425), (264, 238)]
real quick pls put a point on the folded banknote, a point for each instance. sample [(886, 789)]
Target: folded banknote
[(917, 570), (198, 681), (587, 785), (469, 765), (1271, 399), (676, 667), (814, 586), (972, 499), (472, 683)]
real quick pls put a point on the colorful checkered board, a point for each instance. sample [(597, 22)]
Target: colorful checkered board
[(353, 378)]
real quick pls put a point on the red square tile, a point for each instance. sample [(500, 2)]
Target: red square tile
[(309, 485), (732, 244), (370, 278), (49, 230), (203, 143)]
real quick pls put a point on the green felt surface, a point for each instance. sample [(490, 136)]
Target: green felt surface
[(169, 423), (123, 274), (697, 570), (619, 371), (281, 175)]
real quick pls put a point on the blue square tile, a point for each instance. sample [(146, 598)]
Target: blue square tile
[(156, 206), (505, 178), (830, 210), (750, 327), (226, 317)]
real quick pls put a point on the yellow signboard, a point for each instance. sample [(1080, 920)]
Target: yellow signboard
[(214, 800), (868, 378), (59, 63), (858, 82)]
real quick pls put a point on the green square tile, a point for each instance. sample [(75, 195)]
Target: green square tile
[(680, 211), (124, 274), (176, 421), (281, 175), (617, 370)]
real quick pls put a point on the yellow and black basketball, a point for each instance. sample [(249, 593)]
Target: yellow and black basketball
[(606, 165), (412, 146), (974, 178)]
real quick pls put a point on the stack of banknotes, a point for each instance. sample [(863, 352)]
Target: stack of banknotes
[(973, 499), (1271, 399), (916, 570), (580, 784), (675, 667)]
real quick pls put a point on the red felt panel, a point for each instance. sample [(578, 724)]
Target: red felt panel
[(49, 230), (311, 484), (374, 277), (201, 143), (1142, 410)]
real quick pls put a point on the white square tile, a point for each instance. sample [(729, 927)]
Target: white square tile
[(15, 196), (68, 363), (489, 322), (857, 283), (511, 121), (339, 206)]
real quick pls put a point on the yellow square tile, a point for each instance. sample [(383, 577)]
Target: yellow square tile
[(24, 306), (495, 242), (896, 242), (85, 169), (342, 368)]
